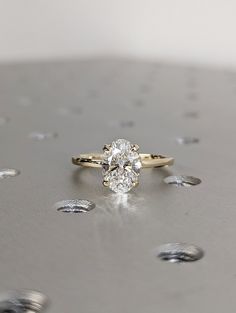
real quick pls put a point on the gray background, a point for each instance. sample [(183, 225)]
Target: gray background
[(105, 260), (185, 30)]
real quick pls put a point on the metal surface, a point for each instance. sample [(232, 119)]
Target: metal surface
[(105, 260)]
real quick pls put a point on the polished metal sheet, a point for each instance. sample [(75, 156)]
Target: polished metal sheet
[(105, 260)]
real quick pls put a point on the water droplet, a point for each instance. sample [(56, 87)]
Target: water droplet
[(75, 206), (179, 252), (182, 181), (40, 136), (8, 172)]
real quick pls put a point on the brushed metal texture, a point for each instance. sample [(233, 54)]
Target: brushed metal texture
[(104, 260)]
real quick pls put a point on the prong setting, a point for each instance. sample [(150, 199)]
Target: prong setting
[(121, 166), (106, 147), (135, 148), (105, 183)]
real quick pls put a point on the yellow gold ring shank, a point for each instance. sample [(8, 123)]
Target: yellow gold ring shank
[(147, 160), (121, 163)]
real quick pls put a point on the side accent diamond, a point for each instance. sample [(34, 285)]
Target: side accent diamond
[(121, 166)]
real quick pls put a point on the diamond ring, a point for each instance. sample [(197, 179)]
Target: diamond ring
[(121, 163)]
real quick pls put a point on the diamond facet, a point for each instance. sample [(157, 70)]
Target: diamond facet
[(121, 166)]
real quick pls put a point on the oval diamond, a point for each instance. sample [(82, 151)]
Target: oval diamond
[(121, 166)]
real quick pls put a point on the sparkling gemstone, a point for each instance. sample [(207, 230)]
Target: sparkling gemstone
[(121, 166)]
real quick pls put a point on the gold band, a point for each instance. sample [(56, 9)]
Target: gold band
[(148, 160)]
